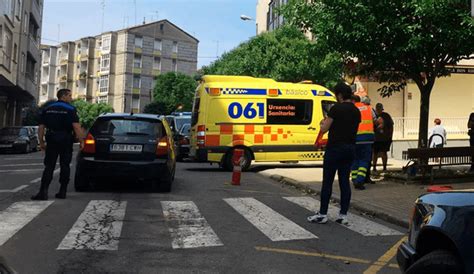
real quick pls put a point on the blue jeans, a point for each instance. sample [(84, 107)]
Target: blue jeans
[(361, 163), (337, 158)]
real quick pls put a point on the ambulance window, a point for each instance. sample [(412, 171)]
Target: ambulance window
[(326, 106), (294, 112), (194, 118)]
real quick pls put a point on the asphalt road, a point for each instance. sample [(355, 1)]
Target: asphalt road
[(204, 225)]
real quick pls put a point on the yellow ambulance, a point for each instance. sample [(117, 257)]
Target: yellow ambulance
[(271, 121)]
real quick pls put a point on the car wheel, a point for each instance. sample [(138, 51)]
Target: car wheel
[(81, 182), (246, 161), (436, 262), (164, 184)]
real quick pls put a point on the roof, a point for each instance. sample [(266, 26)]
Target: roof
[(257, 81), (157, 22), (139, 115)]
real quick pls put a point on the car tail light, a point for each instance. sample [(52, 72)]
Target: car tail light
[(162, 146), (89, 144), (201, 135)]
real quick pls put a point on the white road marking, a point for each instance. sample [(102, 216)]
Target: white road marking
[(188, 227), (13, 190), (272, 224), (20, 170), (97, 228), (19, 215), (357, 223), (36, 164), (22, 158), (39, 179)]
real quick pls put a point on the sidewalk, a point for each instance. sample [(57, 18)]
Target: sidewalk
[(387, 200)]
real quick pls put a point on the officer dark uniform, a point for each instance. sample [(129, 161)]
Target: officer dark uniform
[(61, 121)]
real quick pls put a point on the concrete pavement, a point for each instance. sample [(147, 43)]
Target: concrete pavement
[(387, 200)]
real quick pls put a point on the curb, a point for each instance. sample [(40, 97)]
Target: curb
[(354, 203)]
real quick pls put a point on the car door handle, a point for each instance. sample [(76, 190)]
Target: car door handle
[(311, 128)]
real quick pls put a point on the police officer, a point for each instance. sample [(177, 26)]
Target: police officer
[(61, 122)]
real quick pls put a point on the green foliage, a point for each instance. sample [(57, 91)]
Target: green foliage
[(172, 90), (393, 41), (88, 112), (155, 108), (284, 55)]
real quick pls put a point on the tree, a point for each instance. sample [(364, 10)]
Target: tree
[(284, 55), (173, 89), (392, 41), (154, 108), (88, 112)]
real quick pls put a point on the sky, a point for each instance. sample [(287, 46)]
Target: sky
[(215, 23)]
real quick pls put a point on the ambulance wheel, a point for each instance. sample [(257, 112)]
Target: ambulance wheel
[(227, 165)]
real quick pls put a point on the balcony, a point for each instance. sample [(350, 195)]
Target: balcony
[(138, 50), (137, 70), (82, 75), (5, 60), (157, 53), (174, 55), (156, 72), (64, 61), (63, 78), (136, 91)]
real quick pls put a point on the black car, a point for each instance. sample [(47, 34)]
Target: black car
[(177, 122), (441, 236), (18, 139), (134, 146), (182, 142)]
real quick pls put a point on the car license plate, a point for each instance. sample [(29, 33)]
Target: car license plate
[(6, 146), (126, 148)]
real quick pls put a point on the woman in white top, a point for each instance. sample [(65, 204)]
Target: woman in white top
[(437, 134)]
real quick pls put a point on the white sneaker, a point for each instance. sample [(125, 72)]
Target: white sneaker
[(342, 219), (318, 218)]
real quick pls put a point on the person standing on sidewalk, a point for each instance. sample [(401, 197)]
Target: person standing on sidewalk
[(470, 132), (383, 136), (364, 142), (342, 123), (60, 121)]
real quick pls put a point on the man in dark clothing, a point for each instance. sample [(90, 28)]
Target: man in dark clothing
[(342, 123), (470, 126), (383, 136), (60, 121)]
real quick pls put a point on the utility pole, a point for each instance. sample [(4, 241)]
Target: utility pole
[(102, 3)]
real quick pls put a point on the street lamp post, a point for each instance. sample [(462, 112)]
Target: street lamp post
[(246, 18)]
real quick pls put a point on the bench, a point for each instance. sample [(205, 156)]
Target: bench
[(425, 159)]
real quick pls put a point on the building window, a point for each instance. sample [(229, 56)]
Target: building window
[(157, 44), (104, 84), (157, 63), (175, 47), (30, 68), (137, 82), (135, 102), (106, 42), (105, 62), (175, 65), (1, 35), (15, 53), (33, 29), (9, 9), (103, 99), (18, 10), (25, 23), (7, 48), (138, 41), (137, 61)]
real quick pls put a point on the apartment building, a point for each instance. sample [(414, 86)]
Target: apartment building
[(119, 67), (49, 67), (20, 29)]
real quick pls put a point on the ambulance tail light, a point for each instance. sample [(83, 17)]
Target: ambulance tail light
[(162, 146), (89, 144), (201, 135), (215, 91), (273, 92)]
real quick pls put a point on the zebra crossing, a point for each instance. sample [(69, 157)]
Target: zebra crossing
[(100, 224)]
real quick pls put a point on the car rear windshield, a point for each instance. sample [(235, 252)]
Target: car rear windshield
[(180, 121), (130, 127)]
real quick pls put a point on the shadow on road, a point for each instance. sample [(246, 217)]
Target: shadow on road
[(259, 168)]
